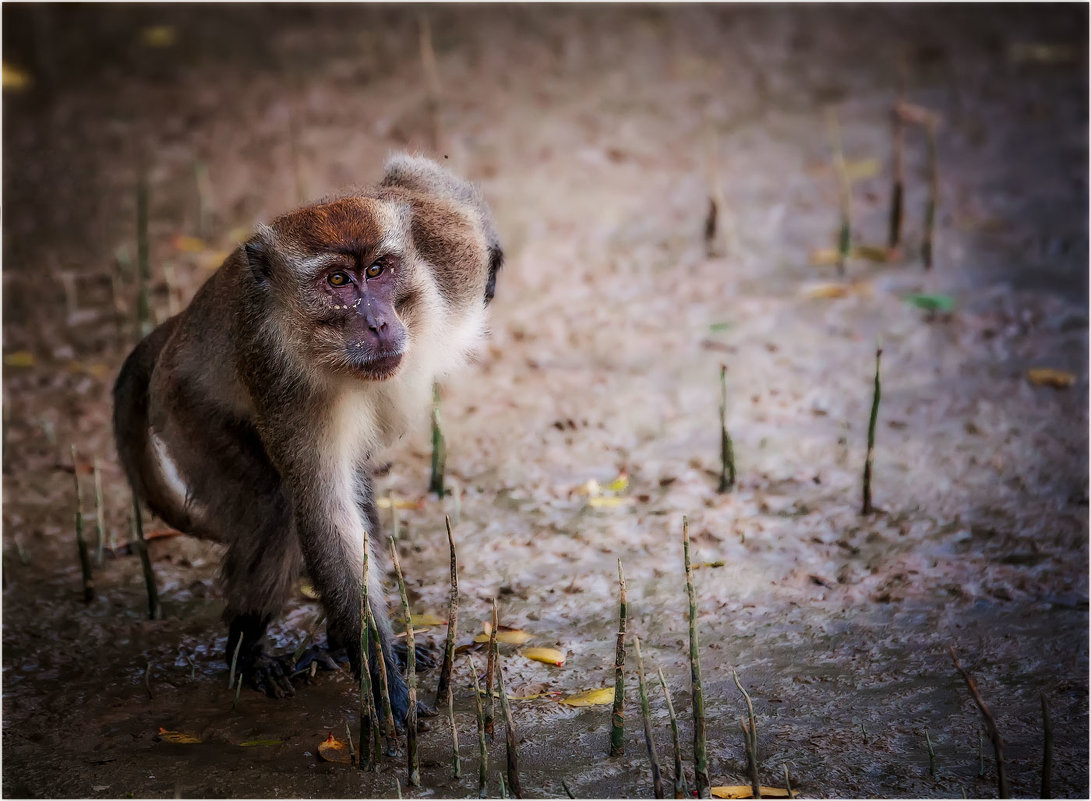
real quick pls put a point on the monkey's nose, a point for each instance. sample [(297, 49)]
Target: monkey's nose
[(376, 324)]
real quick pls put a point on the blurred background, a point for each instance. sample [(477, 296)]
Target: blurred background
[(672, 185)]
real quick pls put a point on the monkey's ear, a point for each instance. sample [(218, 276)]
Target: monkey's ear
[(257, 254), (496, 261)]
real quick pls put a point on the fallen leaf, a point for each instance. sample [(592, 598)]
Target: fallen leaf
[(15, 78), (211, 259), (862, 169), (333, 750), (1049, 377), (551, 656), (157, 36), (931, 302), (836, 290), (717, 563), (177, 737), (875, 253), (607, 502), (505, 635), (1042, 53), (19, 358), (399, 503), (98, 369), (619, 484), (189, 244), (250, 743), (427, 619), (716, 328), (592, 488), (603, 695), (823, 257), (746, 791)]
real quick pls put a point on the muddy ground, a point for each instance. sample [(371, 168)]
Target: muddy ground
[(591, 130)]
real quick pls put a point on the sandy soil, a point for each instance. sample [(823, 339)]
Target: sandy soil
[(591, 132)]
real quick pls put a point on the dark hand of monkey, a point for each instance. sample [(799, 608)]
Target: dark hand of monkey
[(253, 417)]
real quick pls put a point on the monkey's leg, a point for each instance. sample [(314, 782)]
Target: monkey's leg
[(259, 573)]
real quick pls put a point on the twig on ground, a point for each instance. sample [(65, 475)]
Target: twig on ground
[(1047, 750), (490, 667), (931, 755), (513, 754), (866, 507), (990, 726), (750, 738), (410, 675), (844, 193), (370, 740), (700, 748), (657, 774), (483, 750), (100, 516), (617, 717), (439, 446), (681, 790), (727, 447), (81, 543), (443, 689)]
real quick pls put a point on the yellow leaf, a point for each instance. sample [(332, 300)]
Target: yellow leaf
[(1048, 377), (178, 737), (98, 369), (252, 743), (157, 36), (875, 253), (19, 358), (619, 484), (835, 290), (333, 750), (861, 169), (211, 259), (551, 656), (189, 244), (603, 695), (823, 257), (238, 234), (427, 619), (608, 502), (399, 503), (745, 791), (15, 78), (307, 591), (504, 635)]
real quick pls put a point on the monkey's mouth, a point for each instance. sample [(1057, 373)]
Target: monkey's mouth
[(380, 365)]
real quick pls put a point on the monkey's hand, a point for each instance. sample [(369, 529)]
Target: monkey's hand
[(269, 674), (426, 655)]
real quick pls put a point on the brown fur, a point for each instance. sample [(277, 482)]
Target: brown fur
[(251, 418)]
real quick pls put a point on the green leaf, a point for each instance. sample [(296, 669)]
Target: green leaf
[(931, 302), (718, 327)]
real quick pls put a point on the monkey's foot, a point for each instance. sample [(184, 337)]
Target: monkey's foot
[(426, 656), (270, 675), (321, 654)]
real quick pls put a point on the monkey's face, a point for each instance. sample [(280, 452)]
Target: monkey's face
[(341, 272)]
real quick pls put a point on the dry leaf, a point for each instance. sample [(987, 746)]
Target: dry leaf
[(98, 370), (333, 750), (15, 78), (592, 488), (1049, 377), (399, 503), (619, 484), (189, 244), (745, 791), (608, 502), (551, 656), (823, 257), (177, 737), (835, 290), (876, 253), (603, 695), (157, 36), (19, 358), (427, 619), (505, 635), (211, 259), (251, 743)]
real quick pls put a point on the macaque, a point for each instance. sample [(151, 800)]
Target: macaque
[(253, 417)]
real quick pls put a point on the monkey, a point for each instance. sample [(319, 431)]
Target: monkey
[(253, 417)]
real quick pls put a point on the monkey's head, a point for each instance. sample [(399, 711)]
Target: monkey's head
[(363, 283)]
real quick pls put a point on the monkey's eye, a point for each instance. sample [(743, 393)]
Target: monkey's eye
[(374, 271), (338, 279)]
